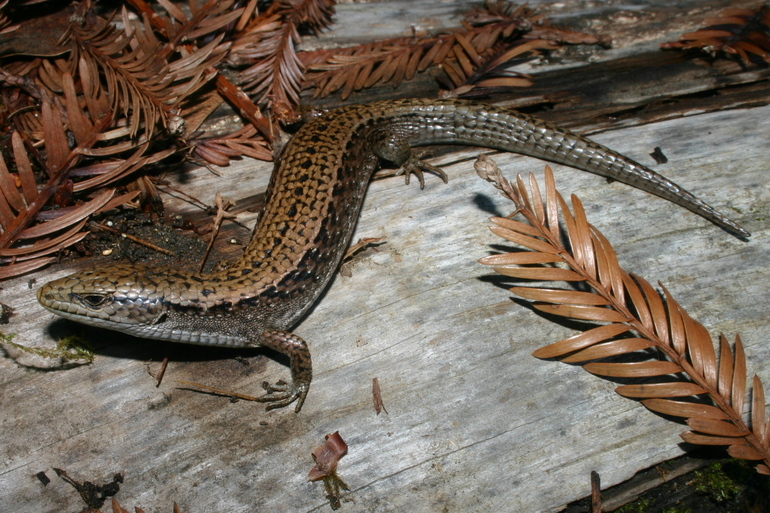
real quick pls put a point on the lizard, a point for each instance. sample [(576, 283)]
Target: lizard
[(311, 208)]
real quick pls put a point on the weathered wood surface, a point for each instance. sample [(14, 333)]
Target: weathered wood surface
[(475, 423)]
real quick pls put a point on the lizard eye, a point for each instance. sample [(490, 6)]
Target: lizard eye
[(92, 300)]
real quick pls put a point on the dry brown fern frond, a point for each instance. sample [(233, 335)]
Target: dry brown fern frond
[(270, 41), (741, 33), (139, 79), (461, 53), (471, 56), (687, 380), (5, 24), (62, 132), (88, 120), (205, 20), (219, 150), (214, 17), (21, 201)]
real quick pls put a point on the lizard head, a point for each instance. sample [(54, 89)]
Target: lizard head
[(113, 297)]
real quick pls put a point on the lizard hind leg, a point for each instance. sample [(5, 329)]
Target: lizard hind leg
[(394, 148), (283, 394)]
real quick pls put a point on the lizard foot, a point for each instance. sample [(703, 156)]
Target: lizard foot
[(283, 394), (415, 165)]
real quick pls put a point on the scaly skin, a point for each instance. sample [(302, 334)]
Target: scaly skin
[(313, 202)]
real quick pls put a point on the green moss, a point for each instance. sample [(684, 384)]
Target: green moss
[(677, 509), (715, 482), (67, 349), (638, 506)]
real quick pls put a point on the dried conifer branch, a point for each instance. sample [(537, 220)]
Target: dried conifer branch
[(91, 117), (21, 202), (490, 39), (211, 17), (139, 80), (270, 42), (738, 33), (687, 380), (5, 24), (219, 150)]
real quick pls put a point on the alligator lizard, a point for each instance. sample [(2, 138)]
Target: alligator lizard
[(312, 205)]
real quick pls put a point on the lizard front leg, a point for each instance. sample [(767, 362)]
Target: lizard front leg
[(283, 394), (394, 148)]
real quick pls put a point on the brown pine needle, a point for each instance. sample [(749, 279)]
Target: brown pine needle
[(631, 316)]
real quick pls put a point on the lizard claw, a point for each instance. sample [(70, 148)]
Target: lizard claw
[(283, 394), (415, 165)]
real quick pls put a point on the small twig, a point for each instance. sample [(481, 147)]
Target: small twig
[(161, 372), (361, 245), (131, 238), (596, 493), (217, 391), (222, 206), (181, 195)]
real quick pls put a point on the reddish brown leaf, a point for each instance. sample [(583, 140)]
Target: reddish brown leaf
[(537, 201), (470, 51), (6, 214), (79, 123), (516, 226), (676, 324), (588, 313), (379, 406), (699, 439), (24, 168), (744, 452), (715, 427), (582, 246), (725, 368), (603, 268), (505, 82), (465, 67), (571, 297), (751, 48), (653, 390), (524, 202), (758, 419), (327, 456), (611, 348), (701, 349), (581, 340), (684, 409), (117, 508), (124, 168), (9, 192), (411, 66), (540, 273), (633, 369), (10, 271), (55, 138), (43, 245), (66, 220), (739, 377), (520, 258), (638, 302), (551, 203), (702, 34), (656, 306)]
